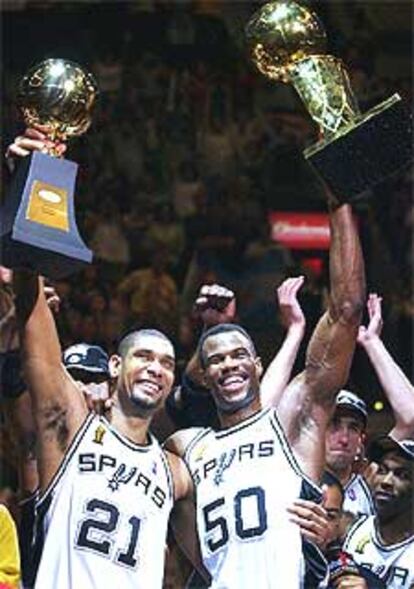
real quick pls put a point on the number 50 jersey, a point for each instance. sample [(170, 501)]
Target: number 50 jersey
[(103, 519), (246, 477)]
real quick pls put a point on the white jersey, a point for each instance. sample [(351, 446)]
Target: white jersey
[(357, 497), (394, 564), (104, 516), (245, 478)]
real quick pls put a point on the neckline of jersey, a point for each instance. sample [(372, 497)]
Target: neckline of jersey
[(243, 423), (125, 440)]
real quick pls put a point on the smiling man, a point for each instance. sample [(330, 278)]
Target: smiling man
[(106, 487), (250, 470), (384, 543)]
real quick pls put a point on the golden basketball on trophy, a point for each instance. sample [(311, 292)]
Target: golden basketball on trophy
[(38, 225)]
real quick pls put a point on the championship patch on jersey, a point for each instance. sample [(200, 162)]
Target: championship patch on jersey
[(198, 454), (99, 434), (360, 547)]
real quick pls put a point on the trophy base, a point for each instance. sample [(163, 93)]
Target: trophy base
[(375, 146), (16, 254), (38, 227)]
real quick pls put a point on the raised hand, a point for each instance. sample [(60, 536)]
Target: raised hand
[(291, 313), (374, 327), (215, 304), (52, 298), (97, 396)]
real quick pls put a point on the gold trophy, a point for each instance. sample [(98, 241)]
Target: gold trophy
[(287, 43), (38, 225)]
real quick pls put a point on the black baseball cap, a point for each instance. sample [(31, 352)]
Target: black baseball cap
[(351, 401), (384, 444), (86, 357)]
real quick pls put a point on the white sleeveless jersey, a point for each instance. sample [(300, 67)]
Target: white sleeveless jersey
[(245, 478), (357, 497), (394, 564), (104, 516)]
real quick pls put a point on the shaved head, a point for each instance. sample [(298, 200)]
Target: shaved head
[(216, 330), (129, 339)]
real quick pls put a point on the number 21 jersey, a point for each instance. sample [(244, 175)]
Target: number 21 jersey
[(103, 520)]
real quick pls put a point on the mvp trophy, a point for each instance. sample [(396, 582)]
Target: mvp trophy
[(355, 151), (38, 226)]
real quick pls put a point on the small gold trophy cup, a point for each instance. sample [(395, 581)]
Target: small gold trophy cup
[(286, 41), (38, 224)]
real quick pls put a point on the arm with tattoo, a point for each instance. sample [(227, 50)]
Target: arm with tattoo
[(58, 409), (307, 404)]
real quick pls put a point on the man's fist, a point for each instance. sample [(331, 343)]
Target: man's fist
[(215, 304)]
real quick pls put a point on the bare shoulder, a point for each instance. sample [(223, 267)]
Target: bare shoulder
[(179, 441)]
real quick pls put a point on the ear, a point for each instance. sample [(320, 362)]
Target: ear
[(203, 379), (259, 367), (115, 364), (361, 445)]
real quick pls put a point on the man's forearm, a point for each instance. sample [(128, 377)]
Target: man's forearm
[(346, 267), (278, 372), (39, 337), (396, 386), (330, 351)]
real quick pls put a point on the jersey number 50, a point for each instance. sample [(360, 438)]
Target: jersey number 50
[(244, 529)]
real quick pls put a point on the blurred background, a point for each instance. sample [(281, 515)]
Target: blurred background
[(192, 171)]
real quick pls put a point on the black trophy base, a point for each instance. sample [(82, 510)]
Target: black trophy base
[(17, 254), (377, 146), (37, 221)]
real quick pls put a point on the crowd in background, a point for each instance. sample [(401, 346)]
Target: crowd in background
[(188, 152)]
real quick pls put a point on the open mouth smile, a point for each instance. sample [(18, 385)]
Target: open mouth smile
[(149, 386), (233, 382)]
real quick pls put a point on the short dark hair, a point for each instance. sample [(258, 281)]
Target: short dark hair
[(330, 480), (221, 328), (128, 337)]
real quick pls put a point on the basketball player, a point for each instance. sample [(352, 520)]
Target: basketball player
[(106, 487), (384, 543), (249, 471), (344, 442), (346, 431)]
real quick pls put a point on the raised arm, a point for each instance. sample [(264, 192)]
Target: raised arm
[(277, 374), (307, 404), (58, 408), (215, 304), (396, 386)]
